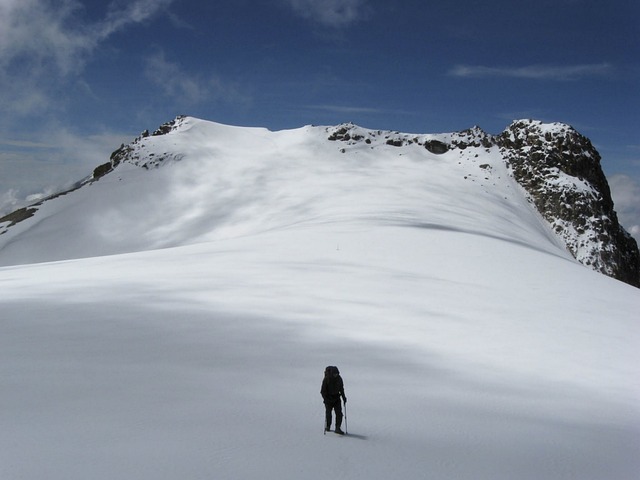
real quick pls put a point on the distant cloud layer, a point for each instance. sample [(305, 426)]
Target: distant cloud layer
[(331, 13), (534, 72)]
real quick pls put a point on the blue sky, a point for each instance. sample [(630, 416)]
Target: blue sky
[(80, 77)]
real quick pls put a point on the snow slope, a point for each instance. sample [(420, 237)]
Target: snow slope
[(234, 181), (471, 344)]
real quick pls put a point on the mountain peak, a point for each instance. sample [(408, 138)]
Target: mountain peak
[(134, 153)]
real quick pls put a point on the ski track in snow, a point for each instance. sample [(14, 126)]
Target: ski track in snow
[(471, 345)]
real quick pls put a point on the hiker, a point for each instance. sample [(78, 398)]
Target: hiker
[(331, 391)]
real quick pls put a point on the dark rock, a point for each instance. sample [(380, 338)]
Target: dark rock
[(437, 147), (102, 170), (342, 133), (169, 126), (18, 216), (560, 171)]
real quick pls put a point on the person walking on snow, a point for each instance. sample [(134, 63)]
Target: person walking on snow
[(332, 389)]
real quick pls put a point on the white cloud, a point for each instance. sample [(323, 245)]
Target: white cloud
[(135, 12), (37, 34), (44, 43), (189, 88), (625, 191), (331, 13), (534, 72)]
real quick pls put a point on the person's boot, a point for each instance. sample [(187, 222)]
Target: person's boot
[(338, 425)]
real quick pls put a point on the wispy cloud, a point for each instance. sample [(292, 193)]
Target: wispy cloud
[(37, 34), (344, 109), (359, 110), (45, 43), (331, 13), (23, 143), (534, 72), (136, 12), (189, 88)]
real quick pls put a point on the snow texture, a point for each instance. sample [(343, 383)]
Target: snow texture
[(183, 316)]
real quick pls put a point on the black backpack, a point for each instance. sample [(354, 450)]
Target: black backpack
[(332, 381), (330, 371)]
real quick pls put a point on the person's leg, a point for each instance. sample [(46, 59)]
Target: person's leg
[(327, 408), (338, 409)]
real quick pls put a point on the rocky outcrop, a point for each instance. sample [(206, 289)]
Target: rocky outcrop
[(115, 160), (132, 152), (352, 134), (16, 217), (560, 171), (436, 146)]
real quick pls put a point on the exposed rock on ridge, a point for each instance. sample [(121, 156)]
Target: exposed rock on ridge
[(561, 173), (438, 144), (133, 153)]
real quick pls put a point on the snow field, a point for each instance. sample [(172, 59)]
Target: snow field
[(206, 361)]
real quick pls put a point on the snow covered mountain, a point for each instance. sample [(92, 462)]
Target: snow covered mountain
[(277, 178), (193, 289)]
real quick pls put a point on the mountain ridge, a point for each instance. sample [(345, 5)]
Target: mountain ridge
[(557, 168)]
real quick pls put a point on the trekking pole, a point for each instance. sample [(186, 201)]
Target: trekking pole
[(346, 427)]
